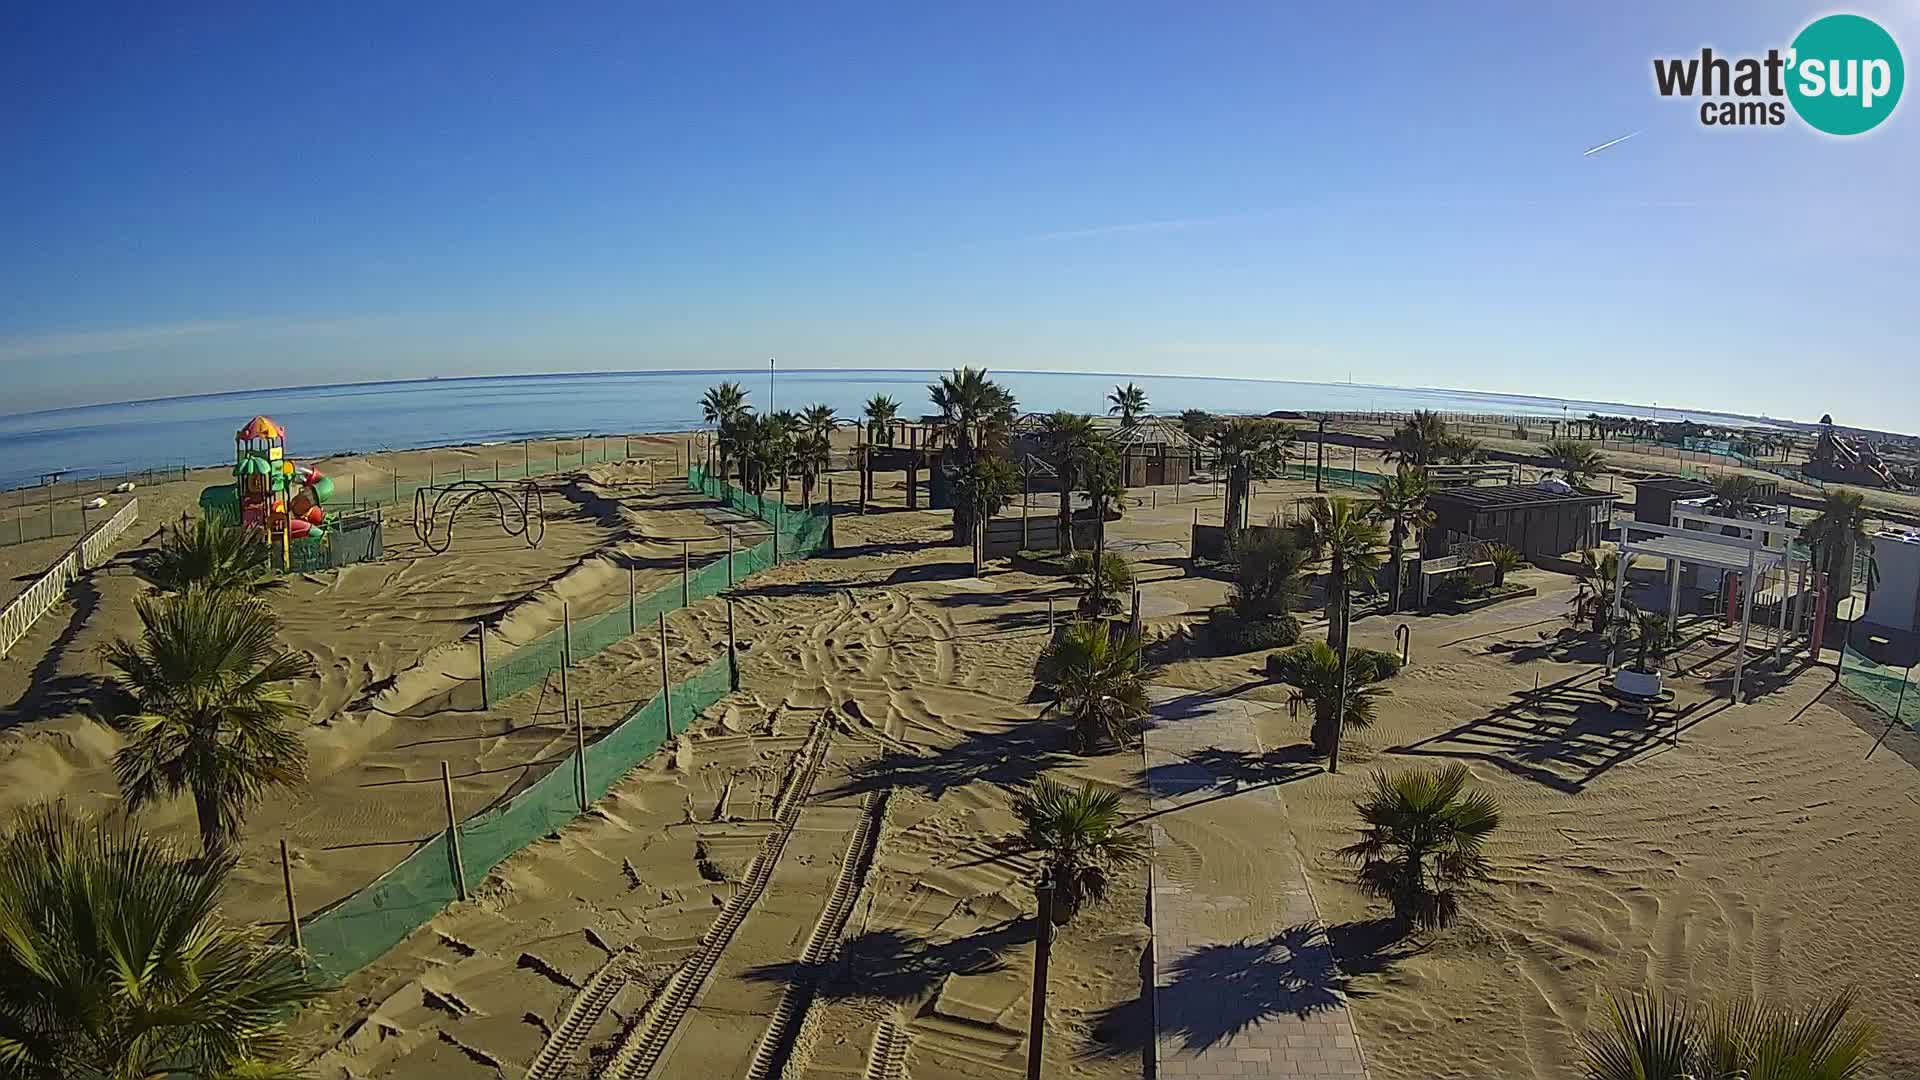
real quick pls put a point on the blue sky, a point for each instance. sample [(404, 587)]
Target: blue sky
[(1393, 194)]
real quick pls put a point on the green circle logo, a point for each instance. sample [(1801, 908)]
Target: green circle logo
[(1844, 74)]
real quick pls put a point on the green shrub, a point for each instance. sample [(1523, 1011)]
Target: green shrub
[(1455, 588), (1116, 573), (1229, 632), (1385, 664), (1363, 665)]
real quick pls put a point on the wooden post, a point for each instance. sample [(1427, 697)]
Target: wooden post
[(293, 912), (580, 754), (453, 833), (566, 636), (829, 513), (733, 651), (1042, 954), (633, 625), (1050, 624), (729, 555), (486, 695), (526, 457), (1026, 495), (666, 698), (686, 572)]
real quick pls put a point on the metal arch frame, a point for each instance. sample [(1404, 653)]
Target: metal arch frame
[(528, 506)]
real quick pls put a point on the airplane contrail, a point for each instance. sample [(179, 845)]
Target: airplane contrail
[(1615, 142)]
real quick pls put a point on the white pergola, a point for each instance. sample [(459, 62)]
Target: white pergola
[(1751, 558)]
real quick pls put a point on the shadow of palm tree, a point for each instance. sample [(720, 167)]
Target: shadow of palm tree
[(899, 965), (1217, 991), (1011, 758)]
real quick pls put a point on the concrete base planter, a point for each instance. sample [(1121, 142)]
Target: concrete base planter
[(1638, 683), (1479, 602)]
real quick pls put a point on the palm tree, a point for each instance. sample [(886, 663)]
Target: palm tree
[(1069, 439), (1580, 464), (1101, 477), (1247, 449), (1505, 559), (1418, 440), (207, 682), (1459, 450), (721, 405), (1082, 837), (1128, 402), (1098, 684), (974, 410), (813, 447), (1835, 535), (1401, 501), (116, 962), (1423, 839), (1342, 530), (215, 552), (1649, 1037), (880, 411), (1736, 494), (1593, 596), (1266, 579), (1338, 700)]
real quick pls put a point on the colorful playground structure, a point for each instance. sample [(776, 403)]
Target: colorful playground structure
[(272, 493)]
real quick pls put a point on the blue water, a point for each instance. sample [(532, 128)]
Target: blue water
[(95, 440)]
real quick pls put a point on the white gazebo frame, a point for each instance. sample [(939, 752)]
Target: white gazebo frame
[(1752, 558)]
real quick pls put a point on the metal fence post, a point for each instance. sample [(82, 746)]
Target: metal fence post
[(566, 636), (686, 572), (453, 833), (1050, 626), (633, 625), (729, 555)]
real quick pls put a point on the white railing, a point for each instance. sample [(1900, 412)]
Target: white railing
[(42, 595)]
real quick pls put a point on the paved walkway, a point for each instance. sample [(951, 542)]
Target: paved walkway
[(1244, 978)]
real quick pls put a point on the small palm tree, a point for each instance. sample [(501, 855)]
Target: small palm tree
[(1579, 464), (1736, 494), (1083, 838), (1248, 449), (1069, 439), (1401, 501), (1593, 596), (880, 411), (116, 962), (1128, 402), (1418, 440), (813, 447), (1266, 577), (1338, 701), (1654, 636), (1648, 1037), (1423, 839), (1098, 684), (1505, 559), (1342, 531), (1836, 534), (215, 552), (721, 406), (210, 708)]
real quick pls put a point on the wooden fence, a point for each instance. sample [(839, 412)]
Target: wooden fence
[(42, 595)]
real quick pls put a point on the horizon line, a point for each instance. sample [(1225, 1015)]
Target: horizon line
[(646, 372)]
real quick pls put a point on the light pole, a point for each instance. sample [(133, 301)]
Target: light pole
[(772, 402)]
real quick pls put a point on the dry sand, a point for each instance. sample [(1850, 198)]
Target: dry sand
[(1762, 854)]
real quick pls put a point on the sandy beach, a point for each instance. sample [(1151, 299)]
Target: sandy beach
[(886, 719)]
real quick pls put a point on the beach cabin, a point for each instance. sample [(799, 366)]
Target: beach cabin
[(1536, 520)]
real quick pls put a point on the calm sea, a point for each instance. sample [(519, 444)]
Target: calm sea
[(99, 439)]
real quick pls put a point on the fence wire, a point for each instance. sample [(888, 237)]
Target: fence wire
[(365, 925), (1883, 687)]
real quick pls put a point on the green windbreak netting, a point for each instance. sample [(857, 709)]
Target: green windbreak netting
[(360, 928), (1882, 687), (354, 932)]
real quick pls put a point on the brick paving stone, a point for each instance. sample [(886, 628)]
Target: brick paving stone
[(1264, 1001)]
